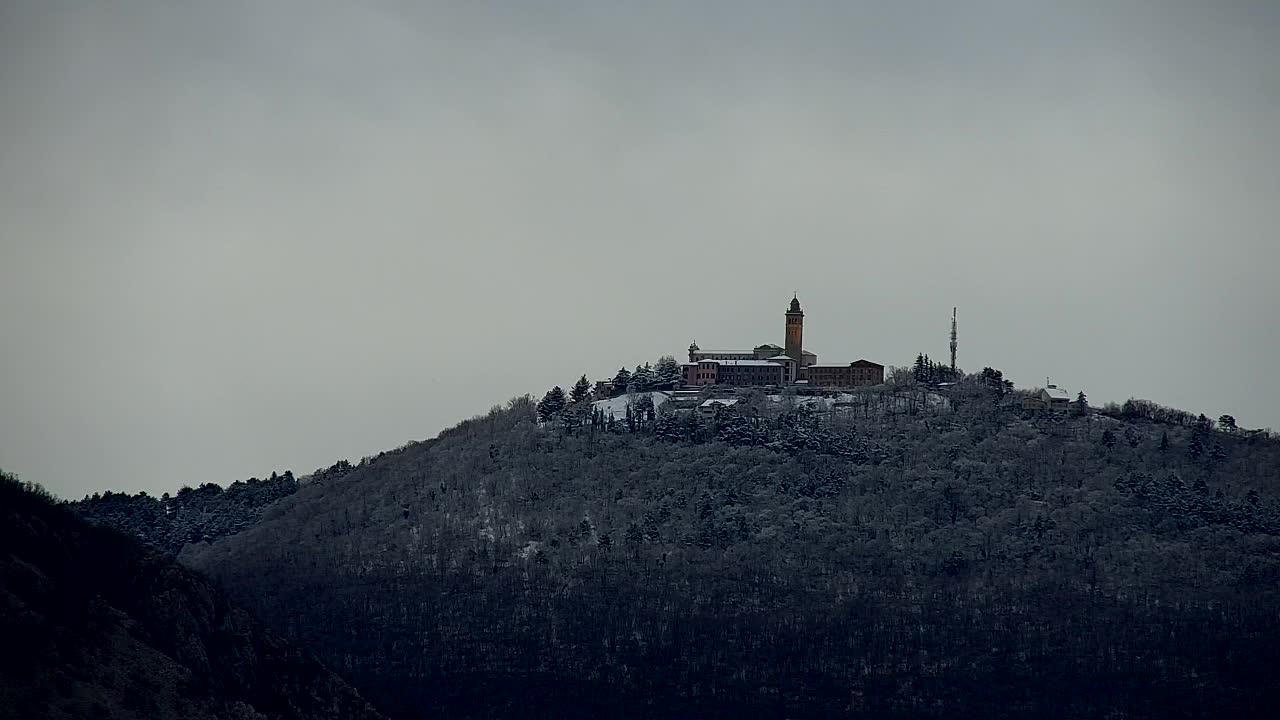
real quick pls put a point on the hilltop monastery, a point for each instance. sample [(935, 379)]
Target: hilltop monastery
[(770, 364)]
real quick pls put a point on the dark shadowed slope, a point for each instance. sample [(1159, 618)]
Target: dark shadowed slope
[(975, 562), (93, 625)]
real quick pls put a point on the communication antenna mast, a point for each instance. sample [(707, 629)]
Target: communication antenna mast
[(953, 339)]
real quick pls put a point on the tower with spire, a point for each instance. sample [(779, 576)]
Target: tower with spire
[(795, 332)]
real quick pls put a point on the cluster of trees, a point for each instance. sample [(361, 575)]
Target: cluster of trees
[(1193, 506), (666, 375), (771, 562), (573, 407), (929, 372), (200, 514), (1135, 409), (790, 431), (572, 410)]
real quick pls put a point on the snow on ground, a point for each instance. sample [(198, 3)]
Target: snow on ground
[(617, 407), (529, 549), (874, 400)]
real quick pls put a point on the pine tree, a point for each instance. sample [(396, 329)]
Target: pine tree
[(1164, 441), (581, 391), (1082, 404), (1132, 437), (551, 404), (668, 428), (920, 368), (668, 372), (641, 379)]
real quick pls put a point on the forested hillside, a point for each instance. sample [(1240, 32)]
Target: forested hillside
[(770, 562), (94, 625), (200, 514)]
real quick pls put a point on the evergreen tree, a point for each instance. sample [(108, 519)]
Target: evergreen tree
[(668, 428), (1164, 441), (1108, 439), (1082, 404), (635, 536), (1132, 437), (919, 372), (621, 381), (1227, 422), (641, 379), (651, 533), (551, 404), (570, 419), (1195, 449), (994, 380), (668, 374), (643, 409), (581, 391)]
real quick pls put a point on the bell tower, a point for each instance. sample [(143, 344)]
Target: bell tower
[(795, 331)]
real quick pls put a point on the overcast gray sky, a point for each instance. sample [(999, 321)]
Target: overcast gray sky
[(240, 236)]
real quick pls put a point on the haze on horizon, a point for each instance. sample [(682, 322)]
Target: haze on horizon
[(239, 237)]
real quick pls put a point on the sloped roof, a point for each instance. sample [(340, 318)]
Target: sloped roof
[(855, 363), (718, 401), (741, 363), (1057, 393)]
